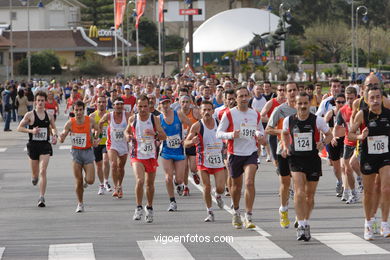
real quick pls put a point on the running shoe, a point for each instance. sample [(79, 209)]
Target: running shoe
[(258, 160), (248, 221), (172, 206), (296, 222), (34, 181), (345, 196), (353, 198), (385, 230), (307, 233), (41, 202), (115, 193), (375, 226), (120, 193), (220, 202), (360, 188), (284, 221), (180, 189), (359, 181), (268, 159), (368, 234), (227, 193), (263, 152), (210, 217), (80, 208), (196, 178), (149, 215), (291, 193), (339, 189), (186, 191), (237, 223), (101, 190), (138, 212), (85, 184), (301, 233), (107, 187)]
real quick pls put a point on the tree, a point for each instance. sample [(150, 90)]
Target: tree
[(312, 52), (147, 33), (42, 63), (98, 12), (331, 38), (173, 42)]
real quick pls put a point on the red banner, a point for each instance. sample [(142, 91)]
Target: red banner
[(119, 10), (160, 11), (141, 4)]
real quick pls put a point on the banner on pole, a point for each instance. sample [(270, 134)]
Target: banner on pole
[(141, 4), (119, 10), (160, 11)]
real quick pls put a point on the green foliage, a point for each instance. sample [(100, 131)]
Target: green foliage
[(133, 60), (42, 63), (98, 12), (91, 64), (173, 42), (149, 55), (147, 33), (346, 57), (292, 67)]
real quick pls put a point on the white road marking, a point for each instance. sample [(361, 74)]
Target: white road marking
[(25, 149), (71, 252), (3, 149), (257, 247), (349, 244), (1, 252), (153, 250), (228, 209), (65, 147)]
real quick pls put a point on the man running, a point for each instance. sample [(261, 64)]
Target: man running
[(38, 147), (172, 154), (375, 157), (274, 127), (242, 127), (142, 130), (117, 146), (301, 142), (101, 157), (82, 141), (209, 156)]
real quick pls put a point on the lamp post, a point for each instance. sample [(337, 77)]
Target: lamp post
[(365, 19), (285, 15), (11, 39), (27, 3)]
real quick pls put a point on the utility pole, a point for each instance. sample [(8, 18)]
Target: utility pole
[(11, 40), (190, 32)]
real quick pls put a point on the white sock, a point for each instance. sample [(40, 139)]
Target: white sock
[(105, 180), (218, 195), (301, 223), (384, 224), (209, 209), (185, 186), (283, 208), (368, 222), (306, 222)]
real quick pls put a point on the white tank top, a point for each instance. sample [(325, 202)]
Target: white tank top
[(144, 146), (116, 137), (212, 147)]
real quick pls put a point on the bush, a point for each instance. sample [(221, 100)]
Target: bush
[(42, 63), (292, 67), (91, 67)]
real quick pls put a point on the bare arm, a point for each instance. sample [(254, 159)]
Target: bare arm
[(265, 110), (103, 120), (192, 137), (66, 131), (352, 135), (25, 121), (183, 118), (160, 131), (272, 131), (128, 131)]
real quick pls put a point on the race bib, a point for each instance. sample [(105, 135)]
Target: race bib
[(127, 108), (147, 147), (174, 141), (214, 160), (247, 131), (51, 111), (79, 140), (303, 142), (104, 132), (118, 135), (378, 144), (41, 136)]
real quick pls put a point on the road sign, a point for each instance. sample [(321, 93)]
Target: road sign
[(190, 11)]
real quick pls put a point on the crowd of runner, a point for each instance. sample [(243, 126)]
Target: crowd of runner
[(215, 129)]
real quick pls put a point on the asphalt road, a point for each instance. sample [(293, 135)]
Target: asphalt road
[(106, 229)]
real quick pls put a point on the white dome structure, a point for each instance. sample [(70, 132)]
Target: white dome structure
[(232, 29)]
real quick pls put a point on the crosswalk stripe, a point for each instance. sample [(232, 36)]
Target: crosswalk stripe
[(257, 247), (349, 244), (1, 252), (65, 147), (2, 150), (152, 250), (82, 251)]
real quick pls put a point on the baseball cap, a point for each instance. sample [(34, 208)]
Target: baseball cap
[(164, 98), (99, 86), (127, 87)]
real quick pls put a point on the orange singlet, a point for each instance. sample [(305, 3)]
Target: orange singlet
[(81, 134)]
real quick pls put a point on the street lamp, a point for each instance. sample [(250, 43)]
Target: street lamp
[(285, 15), (27, 3), (365, 19)]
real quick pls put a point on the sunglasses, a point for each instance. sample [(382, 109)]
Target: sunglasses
[(282, 90), (340, 102)]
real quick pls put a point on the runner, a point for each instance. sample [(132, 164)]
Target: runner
[(172, 154), (101, 157), (301, 142), (209, 158), (82, 141), (129, 99), (193, 115), (51, 105), (242, 127), (274, 127), (39, 148), (117, 146), (142, 130), (375, 158)]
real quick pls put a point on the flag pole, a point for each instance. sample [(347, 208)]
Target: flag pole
[(159, 42), (116, 39), (136, 38)]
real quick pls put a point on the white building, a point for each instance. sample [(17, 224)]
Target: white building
[(44, 14)]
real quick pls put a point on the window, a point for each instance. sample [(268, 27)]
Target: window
[(1, 58), (13, 15)]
